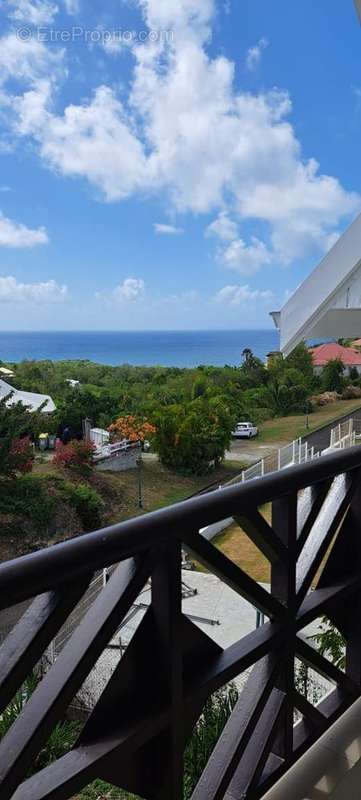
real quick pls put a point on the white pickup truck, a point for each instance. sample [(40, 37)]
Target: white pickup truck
[(245, 430)]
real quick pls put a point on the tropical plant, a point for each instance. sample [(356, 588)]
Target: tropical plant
[(332, 376), (193, 438), (206, 733), (301, 360), (76, 456), (331, 643)]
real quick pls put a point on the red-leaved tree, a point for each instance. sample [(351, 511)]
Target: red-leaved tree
[(77, 456)]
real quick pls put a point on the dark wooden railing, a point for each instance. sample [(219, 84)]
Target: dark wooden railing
[(136, 734)]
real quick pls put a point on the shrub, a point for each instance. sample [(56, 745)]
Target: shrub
[(87, 503), (21, 455), (16, 456), (62, 738), (206, 733), (351, 392), (77, 456), (29, 497), (330, 643)]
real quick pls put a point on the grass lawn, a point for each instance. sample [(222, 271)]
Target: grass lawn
[(234, 543), (288, 428), (160, 487)]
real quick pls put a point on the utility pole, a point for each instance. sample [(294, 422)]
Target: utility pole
[(307, 413), (140, 477)]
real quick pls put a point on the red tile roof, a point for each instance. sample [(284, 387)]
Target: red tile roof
[(326, 352)]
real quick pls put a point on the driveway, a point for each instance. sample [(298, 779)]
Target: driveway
[(249, 451)]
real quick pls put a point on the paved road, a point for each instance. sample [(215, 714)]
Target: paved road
[(320, 439), (249, 452)]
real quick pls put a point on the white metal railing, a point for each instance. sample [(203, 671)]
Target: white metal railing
[(344, 435), (297, 452)]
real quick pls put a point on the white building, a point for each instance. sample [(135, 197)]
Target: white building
[(328, 303), (31, 400)]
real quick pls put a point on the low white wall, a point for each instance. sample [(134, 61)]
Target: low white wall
[(212, 530), (120, 462)]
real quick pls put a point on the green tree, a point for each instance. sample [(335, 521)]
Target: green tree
[(192, 438), (79, 404), (332, 376), (16, 425), (253, 371), (301, 360), (284, 394)]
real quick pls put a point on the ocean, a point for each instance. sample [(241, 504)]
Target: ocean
[(141, 348)]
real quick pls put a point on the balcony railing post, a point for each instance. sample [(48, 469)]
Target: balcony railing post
[(283, 586), (353, 607), (137, 729), (167, 609)]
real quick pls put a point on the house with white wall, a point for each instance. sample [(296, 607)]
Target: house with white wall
[(31, 400)]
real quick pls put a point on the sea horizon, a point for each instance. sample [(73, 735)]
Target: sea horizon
[(170, 348)]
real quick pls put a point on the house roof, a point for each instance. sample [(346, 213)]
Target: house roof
[(31, 400), (326, 352)]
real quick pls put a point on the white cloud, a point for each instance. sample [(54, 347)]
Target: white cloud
[(183, 130), (72, 7), (12, 291), (130, 290), (223, 227), (167, 230), (254, 54), (237, 295), (28, 61), (34, 12), (114, 45), (184, 299), (246, 259), (14, 234), (93, 140)]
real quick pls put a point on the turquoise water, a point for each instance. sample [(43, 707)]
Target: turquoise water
[(148, 348)]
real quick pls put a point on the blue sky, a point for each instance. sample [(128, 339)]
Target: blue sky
[(172, 163)]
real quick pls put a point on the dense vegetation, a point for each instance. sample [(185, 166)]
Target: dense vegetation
[(193, 410), (190, 415), (106, 392)]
